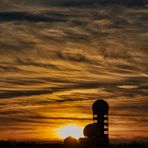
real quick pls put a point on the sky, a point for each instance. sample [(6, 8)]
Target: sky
[(58, 56)]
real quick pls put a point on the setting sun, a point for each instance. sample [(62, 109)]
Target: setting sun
[(75, 131)]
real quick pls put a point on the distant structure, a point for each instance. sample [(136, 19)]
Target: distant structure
[(100, 117), (70, 141), (97, 132)]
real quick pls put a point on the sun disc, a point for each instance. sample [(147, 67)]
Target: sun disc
[(70, 130)]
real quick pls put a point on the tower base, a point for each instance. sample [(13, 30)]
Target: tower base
[(102, 142)]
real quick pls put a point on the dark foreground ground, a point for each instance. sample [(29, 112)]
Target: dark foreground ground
[(13, 144)]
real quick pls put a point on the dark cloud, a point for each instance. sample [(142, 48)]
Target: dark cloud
[(129, 2), (33, 4), (25, 16)]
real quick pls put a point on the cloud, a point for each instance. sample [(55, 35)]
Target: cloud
[(8, 5), (24, 16), (56, 60)]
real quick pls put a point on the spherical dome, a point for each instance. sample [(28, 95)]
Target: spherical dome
[(100, 106), (70, 141), (88, 130), (91, 130)]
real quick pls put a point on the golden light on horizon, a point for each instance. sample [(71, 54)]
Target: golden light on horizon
[(72, 130)]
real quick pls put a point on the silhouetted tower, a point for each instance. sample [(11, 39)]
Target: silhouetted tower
[(96, 134), (100, 119)]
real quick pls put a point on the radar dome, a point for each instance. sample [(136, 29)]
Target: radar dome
[(92, 130), (70, 141), (100, 106)]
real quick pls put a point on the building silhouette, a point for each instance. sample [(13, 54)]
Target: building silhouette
[(97, 133), (70, 141)]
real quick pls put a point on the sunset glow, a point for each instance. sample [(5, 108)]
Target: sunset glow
[(70, 130)]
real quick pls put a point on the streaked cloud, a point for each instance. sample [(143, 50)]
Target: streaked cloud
[(57, 57)]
